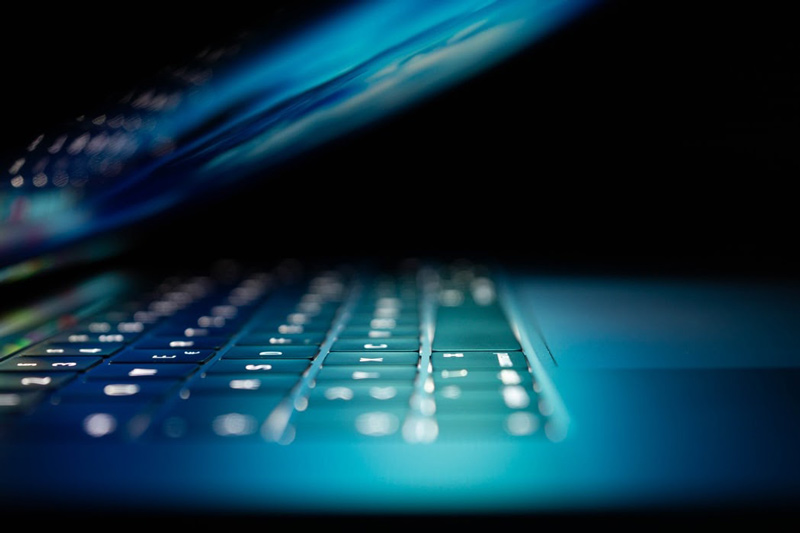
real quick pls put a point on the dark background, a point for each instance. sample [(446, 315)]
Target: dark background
[(648, 135)]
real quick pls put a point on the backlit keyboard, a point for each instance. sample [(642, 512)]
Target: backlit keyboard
[(416, 353)]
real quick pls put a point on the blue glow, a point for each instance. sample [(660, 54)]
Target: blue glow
[(257, 108)]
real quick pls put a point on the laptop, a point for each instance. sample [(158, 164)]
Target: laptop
[(400, 260)]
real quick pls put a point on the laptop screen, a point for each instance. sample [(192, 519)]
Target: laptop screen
[(236, 109)]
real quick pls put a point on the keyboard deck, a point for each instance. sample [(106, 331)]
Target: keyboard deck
[(416, 353)]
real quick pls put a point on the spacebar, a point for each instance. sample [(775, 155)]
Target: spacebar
[(471, 327)]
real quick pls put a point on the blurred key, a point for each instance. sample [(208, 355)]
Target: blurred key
[(366, 344), (472, 327), (15, 381), (271, 352), (474, 360), (243, 384), (73, 349), (332, 394), (277, 339), (17, 402), (112, 371), (85, 336), (80, 421), (162, 356), (257, 366), (367, 372), (197, 343), (370, 333), (364, 358), (215, 417), (117, 390), (21, 363)]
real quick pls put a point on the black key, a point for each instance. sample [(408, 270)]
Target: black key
[(15, 381), (472, 327), (82, 421), (85, 337), (73, 349), (257, 366), (162, 356), (369, 333), (489, 360), (274, 339), (189, 332), (248, 384), (291, 321), (335, 394), (452, 398), (116, 371), (491, 426), (481, 377), (271, 352), (385, 306), (115, 322), (365, 372), (21, 363), (278, 328), (117, 390), (375, 359), (383, 422), (396, 344), (216, 416), (180, 343), (17, 402), (373, 322), (402, 317)]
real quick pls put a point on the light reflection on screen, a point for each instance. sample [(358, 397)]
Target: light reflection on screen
[(244, 107)]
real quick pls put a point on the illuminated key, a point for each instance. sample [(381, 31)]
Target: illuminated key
[(20, 363), (380, 359)]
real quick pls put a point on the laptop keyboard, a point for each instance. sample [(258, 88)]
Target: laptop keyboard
[(415, 353)]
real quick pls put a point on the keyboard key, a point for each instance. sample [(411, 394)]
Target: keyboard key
[(381, 422), (474, 360), (278, 328), (22, 363), (400, 317), (162, 356), (490, 426), (76, 349), (290, 322), (396, 344), (83, 336), (372, 322), (271, 352), (334, 394), (364, 358), (215, 416), (83, 421), (189, 332), (18, 402), (472, 327), (14, 381), (366, 332), (274, 339), (115, 371), (452, 398), (481, 377), (127, 327), (243, 384), (117, 390), (257, 366), (166, 343), (367, 372), (385, 306)]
